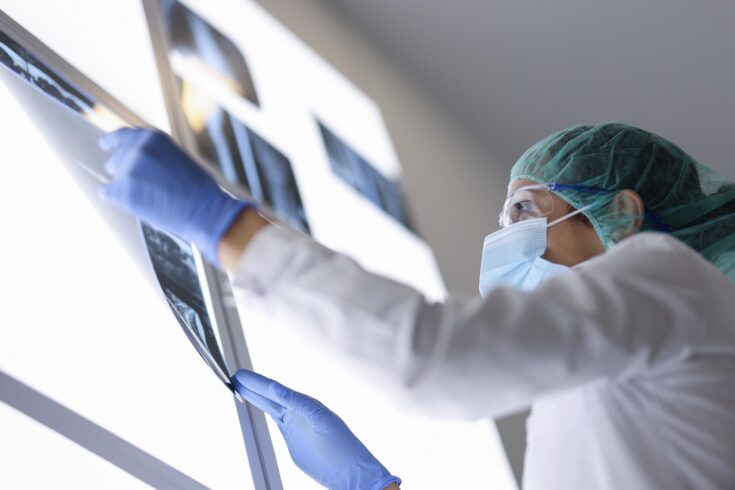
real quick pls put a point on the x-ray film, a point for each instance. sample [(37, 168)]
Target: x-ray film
[(198, 44), (357, 172), (175, 267), (241, 156)]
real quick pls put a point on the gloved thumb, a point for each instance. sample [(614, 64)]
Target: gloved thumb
[(114, 139), (112, 192)]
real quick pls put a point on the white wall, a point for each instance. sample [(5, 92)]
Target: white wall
[(454, 183)]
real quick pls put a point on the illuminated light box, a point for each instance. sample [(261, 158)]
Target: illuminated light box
[(88, 326)]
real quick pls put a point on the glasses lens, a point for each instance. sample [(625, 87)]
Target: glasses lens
[(526, 203)]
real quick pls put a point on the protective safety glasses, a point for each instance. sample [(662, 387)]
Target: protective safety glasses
[(537, 201), (527, 202)]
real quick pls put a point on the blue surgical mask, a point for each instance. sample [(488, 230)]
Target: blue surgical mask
[(512, 256)]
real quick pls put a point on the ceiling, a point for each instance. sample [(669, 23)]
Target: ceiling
[(514, 71)]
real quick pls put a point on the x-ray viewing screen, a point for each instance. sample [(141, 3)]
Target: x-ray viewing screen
[(363, 177), (174, 264), (242, 156), (94, 303), (196, 43), (75, 139)]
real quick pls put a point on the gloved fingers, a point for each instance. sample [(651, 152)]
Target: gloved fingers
[(125, 154), (301, 404), (117, 138), (254, 382), (276, 392), (268, 406), (113, 192)]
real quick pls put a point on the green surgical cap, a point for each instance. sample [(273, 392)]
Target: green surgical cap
[(692, 199)]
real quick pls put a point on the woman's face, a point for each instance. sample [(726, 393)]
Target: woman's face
[(571, 241)]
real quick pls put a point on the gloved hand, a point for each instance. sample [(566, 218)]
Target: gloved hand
[(155, 180), (319, 441)]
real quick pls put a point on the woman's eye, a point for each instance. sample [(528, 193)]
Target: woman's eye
[(524, 206), (523, 210)]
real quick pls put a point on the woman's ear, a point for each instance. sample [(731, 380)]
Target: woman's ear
[(627, 207)]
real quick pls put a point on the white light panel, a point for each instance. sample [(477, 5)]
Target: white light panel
[(82, 324)]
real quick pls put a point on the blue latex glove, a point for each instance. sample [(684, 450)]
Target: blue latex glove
[(319, 441), (155, 180)]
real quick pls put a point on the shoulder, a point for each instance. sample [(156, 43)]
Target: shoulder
[(649, 242), (653, 249), (655, 258), (660, 277), (659, 260)]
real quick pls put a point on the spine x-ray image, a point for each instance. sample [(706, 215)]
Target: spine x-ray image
[(175, 268), (363, 177)]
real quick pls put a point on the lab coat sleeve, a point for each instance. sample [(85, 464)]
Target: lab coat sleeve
[(646, 302)]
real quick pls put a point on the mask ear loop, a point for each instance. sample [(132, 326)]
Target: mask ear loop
[(567, 216)]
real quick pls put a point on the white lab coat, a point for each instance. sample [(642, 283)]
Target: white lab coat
[(628, 361)]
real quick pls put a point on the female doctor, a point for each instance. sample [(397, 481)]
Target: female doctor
[(608, 303)]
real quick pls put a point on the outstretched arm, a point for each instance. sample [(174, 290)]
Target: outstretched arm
[(637, 306), (320, 443), (619, 315)]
